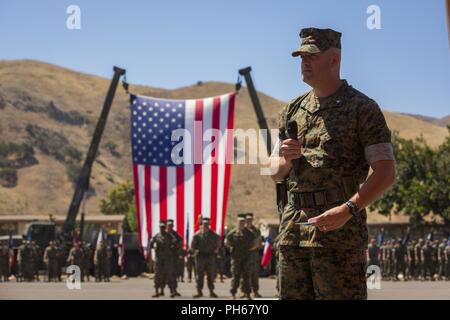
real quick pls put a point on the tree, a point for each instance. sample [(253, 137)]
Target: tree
[(422, 181), (121, 200)]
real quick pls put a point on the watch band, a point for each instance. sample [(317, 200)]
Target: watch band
[(354, 209)]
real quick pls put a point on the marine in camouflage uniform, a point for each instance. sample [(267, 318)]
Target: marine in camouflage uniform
[(163, 243), (87, 259), (24, 259), (35, 259), (426, 255), (102, 262), (447, 260), (434, 258), (4, 261), (205, 244), (383, 259), (373, 253), (418, 257), (190, 264), (254, 259), (220, 260), (75, 257), (51, 261), (400, 257), (61, 259), (340, 136), (441, 259), (240, 241), (412, 269), (178, 258), (389, 260)]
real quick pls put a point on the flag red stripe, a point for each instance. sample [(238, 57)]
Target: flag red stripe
[(163, 193), (198, 149), (229, 147), (214, 165), (180, 202), (136, 192), (148, 200)]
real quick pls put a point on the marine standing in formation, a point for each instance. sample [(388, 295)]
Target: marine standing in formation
[(51, 261), (163, 243), (102, 262), (178, 258), (4, 261), (240, 241), (254, 258), (205, 245)]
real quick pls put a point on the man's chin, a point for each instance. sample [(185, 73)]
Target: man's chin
[(306, 79)]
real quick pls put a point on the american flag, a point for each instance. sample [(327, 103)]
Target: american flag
[(167, 188)]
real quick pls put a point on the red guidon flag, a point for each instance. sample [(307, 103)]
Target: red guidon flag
[(181, 153), (267, 253)]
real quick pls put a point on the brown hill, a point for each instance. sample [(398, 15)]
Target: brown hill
[(443, 122), (54, 110)]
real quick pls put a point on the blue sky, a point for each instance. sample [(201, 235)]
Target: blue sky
[(405, 65)]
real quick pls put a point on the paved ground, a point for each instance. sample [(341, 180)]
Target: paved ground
[(142, 289)]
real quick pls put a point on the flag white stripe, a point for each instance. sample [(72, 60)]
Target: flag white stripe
[(189, 170), (154, 194), (224, 107), (142, 211), (172, 195), (206, 167)]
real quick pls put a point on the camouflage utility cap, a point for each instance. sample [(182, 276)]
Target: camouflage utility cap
[(314, 40)]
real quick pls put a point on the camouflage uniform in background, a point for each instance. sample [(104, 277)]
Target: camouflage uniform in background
[(181, 263), (412, 273), (220, 257), (76, 258), (434, 257), (205, 244), (399, 255), (102, 262), (254, 260), (447, 260), (426, 254), (163, 243), (87, 260), (390, 260), (418, 258), (190, 264), (4, 262), (441, 259), (51, 262), (373, 253), (239, 243), (35, 259), (383, 259), (178, 258), (24, 259), (61, 259)]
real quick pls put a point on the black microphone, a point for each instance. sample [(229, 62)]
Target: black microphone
[(292, 132)]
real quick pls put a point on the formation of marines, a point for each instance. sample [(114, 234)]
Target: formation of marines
[(205, 258), (54, 258), (415, 260)]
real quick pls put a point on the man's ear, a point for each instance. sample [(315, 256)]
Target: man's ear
[(336, 58)]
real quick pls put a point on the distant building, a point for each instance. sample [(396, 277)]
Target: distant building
[(18, 223)]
